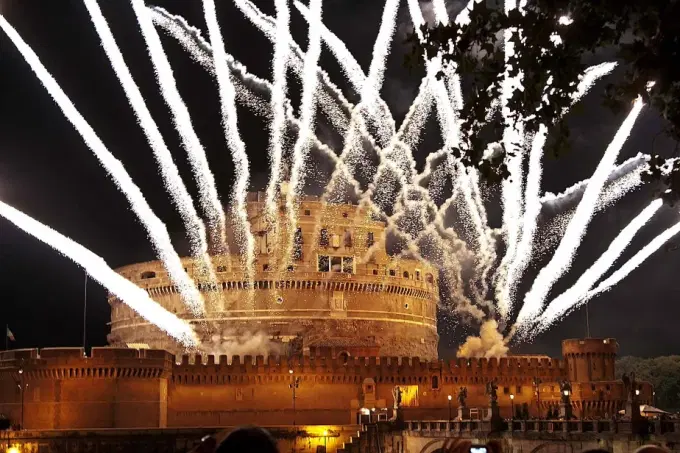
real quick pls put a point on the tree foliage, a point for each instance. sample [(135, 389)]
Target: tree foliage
[(552, 40), (662, 372)]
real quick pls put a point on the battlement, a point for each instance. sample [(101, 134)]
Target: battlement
[(605, 346)]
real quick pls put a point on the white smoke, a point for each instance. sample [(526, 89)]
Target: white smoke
[(490, 343), (231, 343)]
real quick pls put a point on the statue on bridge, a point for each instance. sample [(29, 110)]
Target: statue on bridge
[(462, 396), (630, 386), (492, 391), (565, 404)]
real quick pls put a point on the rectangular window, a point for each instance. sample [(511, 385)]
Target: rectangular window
[(335, 241), (418, 274), (336, 264), (348, 264), (323, 238), (392, 272), (323, 263), (265, 267), (370, 239), (308, 212)]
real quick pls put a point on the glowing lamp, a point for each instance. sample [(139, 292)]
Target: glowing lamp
[(325, 433), (512, 397), (13, 450), (290, 371), (21, 371), (637, 392), (566, 393), (450, 397)]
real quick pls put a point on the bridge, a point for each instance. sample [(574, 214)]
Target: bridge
[(525, 436)]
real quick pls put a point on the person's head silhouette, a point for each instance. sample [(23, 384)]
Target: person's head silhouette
[(249, 439)]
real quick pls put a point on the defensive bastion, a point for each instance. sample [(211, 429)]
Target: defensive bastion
[(60, 388)]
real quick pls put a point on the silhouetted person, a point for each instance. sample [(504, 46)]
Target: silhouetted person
[(249, 439)]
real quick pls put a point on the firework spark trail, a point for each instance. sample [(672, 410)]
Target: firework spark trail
[(532, 196), (331, 100), (633, 263), (411, 128), (633, 165), (169, 171), (511, 188), (205, 180), (236, 145), (564, 254), (155, 228), (201, 51), (565, 301), (278, 102), (307, 114), (625, 178), (129, 293), (440, 13), (355, 75)]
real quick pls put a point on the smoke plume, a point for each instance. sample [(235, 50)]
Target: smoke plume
[(230, 343), (490, 343)]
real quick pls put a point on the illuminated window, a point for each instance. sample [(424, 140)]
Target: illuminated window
[(335, 241)]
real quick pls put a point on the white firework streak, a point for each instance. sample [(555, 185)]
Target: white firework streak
[(511, 188), (565, 252), (205, 180), (566, 301), (634, 262), (356, 76), (329, 98), (155, 228), (236, 145), (410, 130), (278, 102), (440, 13), (201, 51), (307, 114), (129, 293), (532, 203), (171, 177)]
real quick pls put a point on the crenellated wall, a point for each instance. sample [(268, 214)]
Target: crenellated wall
[(128, 388)]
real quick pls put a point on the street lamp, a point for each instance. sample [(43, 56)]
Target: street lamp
[(637, 392), (654, 398), (512, 402), (294, 386), (450, 397)]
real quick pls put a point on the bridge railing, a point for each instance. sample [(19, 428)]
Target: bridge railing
[(544, 426)]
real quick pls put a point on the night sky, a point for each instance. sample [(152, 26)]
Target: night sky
[(47, 171)]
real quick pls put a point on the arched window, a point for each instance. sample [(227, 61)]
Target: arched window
[(148, 274), (429, 278), (343, 357), (405, 274)]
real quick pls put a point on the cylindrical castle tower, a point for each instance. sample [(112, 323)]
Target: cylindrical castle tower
[(590, 359), (339, 291)]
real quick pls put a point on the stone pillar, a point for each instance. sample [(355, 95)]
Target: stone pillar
[(566, 412), (463, 413), (494, 416)]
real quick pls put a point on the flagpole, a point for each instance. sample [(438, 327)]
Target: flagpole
[(6, 337), (85, 315)]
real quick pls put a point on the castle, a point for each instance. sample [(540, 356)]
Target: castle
[(348, 322)]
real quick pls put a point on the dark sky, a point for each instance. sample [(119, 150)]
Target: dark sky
[(47, 171)]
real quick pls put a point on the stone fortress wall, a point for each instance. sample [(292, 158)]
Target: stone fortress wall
[(60, 388), (341, 290)]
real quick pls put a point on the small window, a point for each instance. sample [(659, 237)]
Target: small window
[(370, 239), (323, 238), (406, 306), (375, 271), (417, 275), (308, 212), (435, 382), (323, 263), (344, 214), (148, 274), (221, 268), (392, 272), (506, 390), (336, 264), (348, 264), (429, 278), (406, 274), (265, 267), (291, 268)]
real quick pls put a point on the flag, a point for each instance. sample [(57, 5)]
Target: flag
[(10, 335)]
